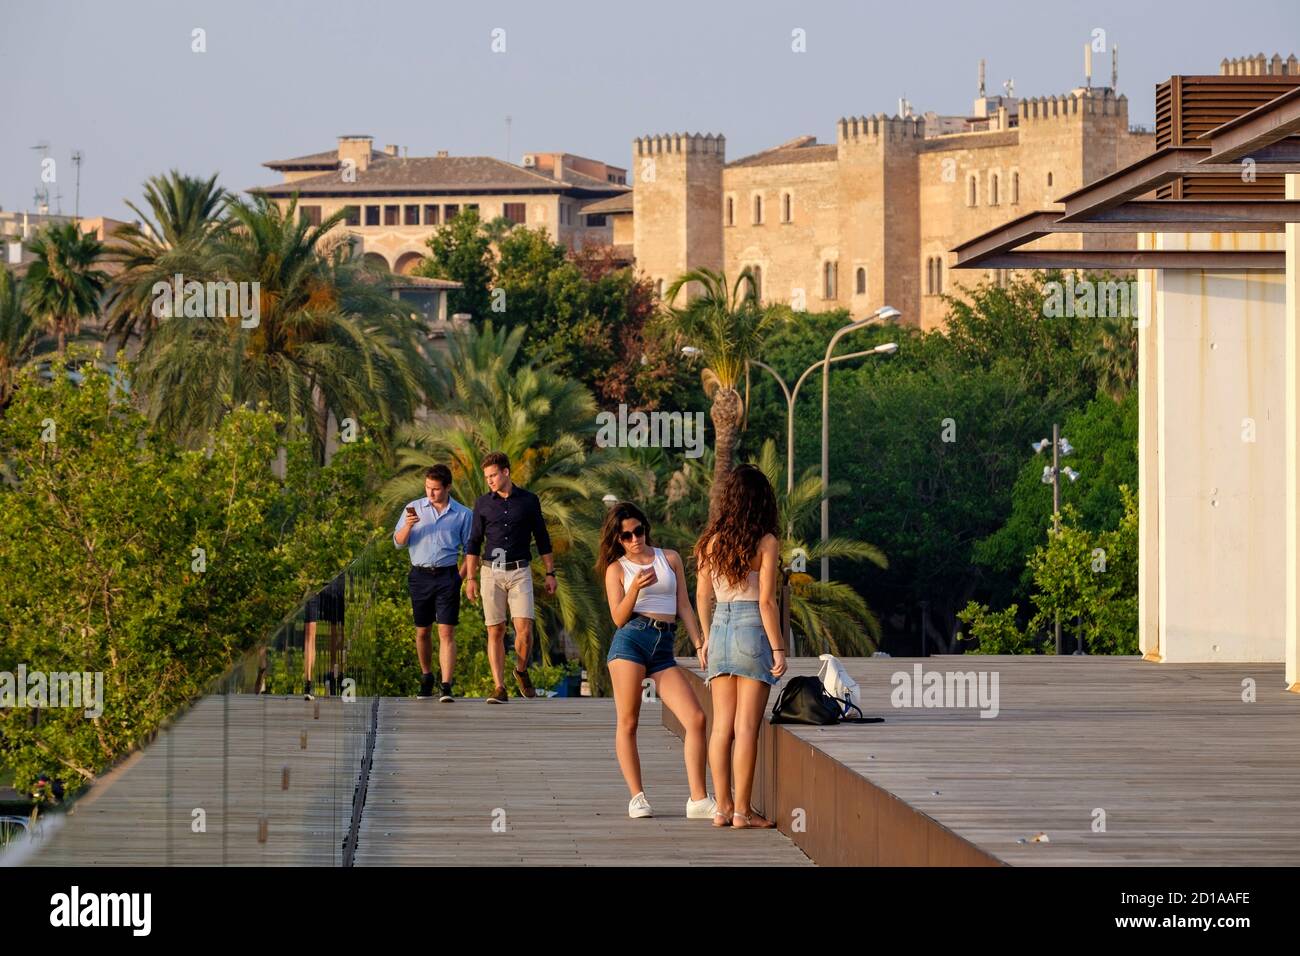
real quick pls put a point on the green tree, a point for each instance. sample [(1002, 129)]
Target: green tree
[(727, 325), (18, 335), (461, 250), (329, 338), (177, 237), (124, 555), (1103, 435), (63, 284)]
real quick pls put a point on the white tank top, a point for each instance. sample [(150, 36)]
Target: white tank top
[(658, 598)]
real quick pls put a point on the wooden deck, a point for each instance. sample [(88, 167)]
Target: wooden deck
[(545, 774), (125, 819), (1184, 770)]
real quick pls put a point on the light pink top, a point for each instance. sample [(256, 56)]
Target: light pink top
[(724, 592)]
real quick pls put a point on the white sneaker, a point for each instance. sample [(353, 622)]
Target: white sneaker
[(701, 809), (639, 807)]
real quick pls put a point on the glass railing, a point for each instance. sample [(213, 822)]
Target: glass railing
[(253, 772)]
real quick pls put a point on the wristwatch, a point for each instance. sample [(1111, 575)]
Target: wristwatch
[(551, 574)]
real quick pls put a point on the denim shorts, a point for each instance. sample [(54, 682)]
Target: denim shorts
[(641, 642), (738, 644)]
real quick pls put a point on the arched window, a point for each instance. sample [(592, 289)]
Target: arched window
[(861, 281), (757, 273), (1015, 188), (758, 210), (1049, 179), (938, 275), (787, 206), (659, 288), (993, 189), (929, 275), (829, 276), (731, 211), (972, 190)]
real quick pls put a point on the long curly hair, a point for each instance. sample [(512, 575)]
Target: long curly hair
[(747, 512), (611, 549)]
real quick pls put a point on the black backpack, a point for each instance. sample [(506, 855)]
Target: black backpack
[(804, 701)]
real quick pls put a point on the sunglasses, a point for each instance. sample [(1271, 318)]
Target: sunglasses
[(637, 532)]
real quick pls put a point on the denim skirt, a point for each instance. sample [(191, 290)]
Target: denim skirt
[(738, 644)]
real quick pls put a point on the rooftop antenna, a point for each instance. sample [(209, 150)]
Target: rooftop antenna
[(1114, 67), (77, 157), (42, 195), (981, 78), (507, 157), (1087, 65)]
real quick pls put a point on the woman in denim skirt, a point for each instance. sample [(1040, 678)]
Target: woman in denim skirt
[(739, 560), (646, 587)]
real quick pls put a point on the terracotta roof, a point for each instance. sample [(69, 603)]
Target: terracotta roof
[(326, 160), (614, 204), (437, 174), (802, 149)]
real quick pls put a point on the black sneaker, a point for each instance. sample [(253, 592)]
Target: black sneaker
[(498, 696), (426, 686), (306, 690), (446, 697)]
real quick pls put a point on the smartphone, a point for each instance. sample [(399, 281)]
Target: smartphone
[(410, 511)]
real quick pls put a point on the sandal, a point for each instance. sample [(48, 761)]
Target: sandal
[(752, 821), (725, 819)]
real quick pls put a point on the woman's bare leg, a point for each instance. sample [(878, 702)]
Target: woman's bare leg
[(626, 677), (751, 701), (675, 691), (723, 690)]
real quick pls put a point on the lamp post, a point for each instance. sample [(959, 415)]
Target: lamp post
[(882, 314), (1052, 475)]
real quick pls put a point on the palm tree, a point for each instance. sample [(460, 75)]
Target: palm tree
[(18, 335), (727, 325), (179, 238), (1113, 356), (329, 337), (63, 286), (539, 419)]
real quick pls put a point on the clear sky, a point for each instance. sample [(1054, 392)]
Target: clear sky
[(280, 78)]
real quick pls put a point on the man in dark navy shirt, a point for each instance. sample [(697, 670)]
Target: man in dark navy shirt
[(508, 519)]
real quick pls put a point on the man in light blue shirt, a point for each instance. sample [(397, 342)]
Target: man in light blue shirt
[(435, 531)]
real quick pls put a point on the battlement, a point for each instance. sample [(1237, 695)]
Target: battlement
[(1260, 65), (880, 126), (1096, 102), (657, 144)]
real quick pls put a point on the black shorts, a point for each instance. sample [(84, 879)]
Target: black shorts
[(435, 595), (326, 604)]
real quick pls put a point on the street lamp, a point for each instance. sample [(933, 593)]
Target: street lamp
[(1052, 476), (883, 314)]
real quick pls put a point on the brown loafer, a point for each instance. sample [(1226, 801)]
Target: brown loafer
[(499, 696), (525, 684)]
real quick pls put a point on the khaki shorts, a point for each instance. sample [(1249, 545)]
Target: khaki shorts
[(506, 594)]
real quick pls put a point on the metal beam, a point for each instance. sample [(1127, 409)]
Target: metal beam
[(1217, 214), (1027, 228), (1162, 166), (1127, 260), (1250, 132)]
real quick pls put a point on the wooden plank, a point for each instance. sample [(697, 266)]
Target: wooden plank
[(1186, 772)]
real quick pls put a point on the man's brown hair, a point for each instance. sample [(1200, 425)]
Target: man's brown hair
[(440, 474), (497, 458)]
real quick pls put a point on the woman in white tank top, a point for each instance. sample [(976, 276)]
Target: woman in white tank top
[(646, 588)]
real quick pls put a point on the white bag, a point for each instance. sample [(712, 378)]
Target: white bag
[(837, 681)]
